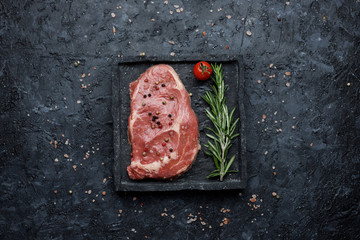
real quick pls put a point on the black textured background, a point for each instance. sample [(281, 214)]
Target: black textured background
[(310, 136)]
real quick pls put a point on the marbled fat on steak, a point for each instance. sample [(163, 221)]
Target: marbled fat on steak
[(163, 128)]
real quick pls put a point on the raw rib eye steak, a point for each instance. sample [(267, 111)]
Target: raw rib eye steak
[(163, 128)]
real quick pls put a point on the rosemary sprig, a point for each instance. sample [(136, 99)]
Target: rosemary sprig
[(224, 125)]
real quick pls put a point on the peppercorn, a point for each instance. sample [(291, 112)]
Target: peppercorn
[(158, 122), (171, 150), (163, 85), (169, 115), (153, 126), (149, 95), (146, 80), (144, 96), (156, 82), (146, 149), (161, 159), (171, 97), (149, 114), (157, 112), (160, 126), (76, 64), (164, 144), (164, 103), (166, 139), (70, 191), (170, 123), (144, 153), (157, 88), (143, 104)]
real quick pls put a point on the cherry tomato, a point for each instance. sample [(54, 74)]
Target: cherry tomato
[(202, 70)]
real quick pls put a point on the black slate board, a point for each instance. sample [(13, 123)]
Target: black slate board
[(129, 70)]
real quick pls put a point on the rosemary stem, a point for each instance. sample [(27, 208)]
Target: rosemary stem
[(222, 163)]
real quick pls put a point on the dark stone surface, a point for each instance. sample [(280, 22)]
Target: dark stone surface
[(315, 154)]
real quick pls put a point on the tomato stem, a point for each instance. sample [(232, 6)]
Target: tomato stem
[(204, 69)]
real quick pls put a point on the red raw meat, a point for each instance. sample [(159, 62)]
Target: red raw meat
[(163, 128)]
